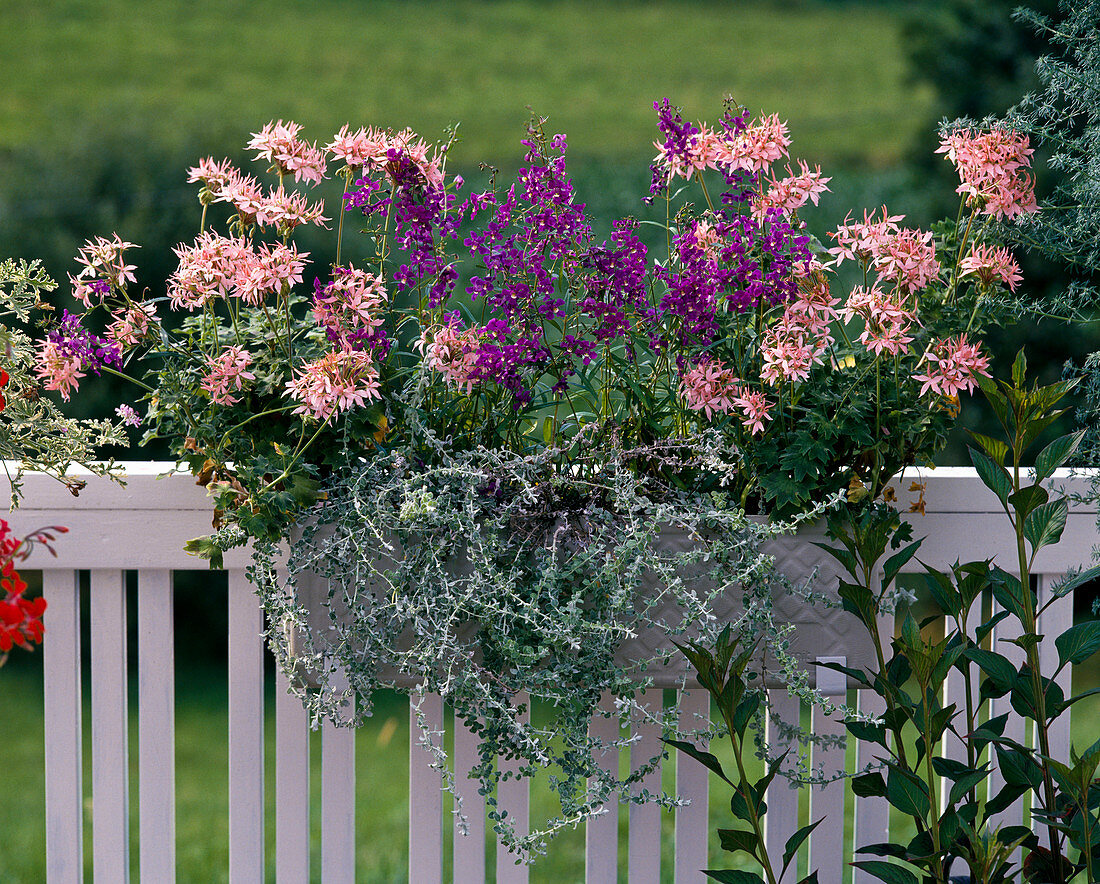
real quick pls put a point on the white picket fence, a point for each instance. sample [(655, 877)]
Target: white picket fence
[(143, 527)]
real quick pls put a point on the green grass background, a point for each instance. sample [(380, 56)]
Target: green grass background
[(171, 69)]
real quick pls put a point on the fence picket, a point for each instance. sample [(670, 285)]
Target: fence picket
[(601, 833), (291, 786), (337, 798), (63, 727), (872, 814), (246, 733), (469, 849), (156, 726), (514, 797), (827, 854), (644, 850), (692, 783), (781, 820), (425, 795), (1053, 622), (110, 731)]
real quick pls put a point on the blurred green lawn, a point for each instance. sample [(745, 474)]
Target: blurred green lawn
[(169, 68)]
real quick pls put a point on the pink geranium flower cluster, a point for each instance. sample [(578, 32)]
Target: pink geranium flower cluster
[(102, 268), (887, 321), (796, 343), (990, 264), (132, 325), (337, 381), (711, 386), (453, 352), (953, 365), (228, 371), (216, 266), (351, 304), (863, 241), (753, 149), (58, 368), (791, 193), (276, 208), (279, 144), (993, 168), (898, 254)]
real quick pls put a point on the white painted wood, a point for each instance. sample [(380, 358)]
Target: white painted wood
[(337, 800), (110, 734), (692, 783), (781, 820), (246, 733), (963, 521), (514, 796), (291, 786), (156, 727), (1053, 622), (425, 795), (872, 815), (63, 726), (827, 853), (601, 833), (644, 850), (469, 848)]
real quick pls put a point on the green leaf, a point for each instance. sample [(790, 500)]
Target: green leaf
[(891, 873), (896, 562), (887, 848), (867, 732), (1009, 592), (1005, 796), (705, 758), (907, 793), (998, 668), (995, 448), (1019, 369), (1078, 643), (746, 709), (810, 878), (965, 783), (794, 842), (1028, 498), (845, 557), (733, 840), (733, 876), (1018, 768), (1056, 454), (205, 548), (994, 476), (1046, 523), (869, 785), (1071, 583)]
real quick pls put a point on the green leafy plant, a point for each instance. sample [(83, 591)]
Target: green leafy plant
[(940, 793), (741, 699), (34, 433)]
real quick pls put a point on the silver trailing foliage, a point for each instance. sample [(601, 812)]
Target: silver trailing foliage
[(509, 584)]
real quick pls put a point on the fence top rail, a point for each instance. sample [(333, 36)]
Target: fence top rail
[(145, 522)]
